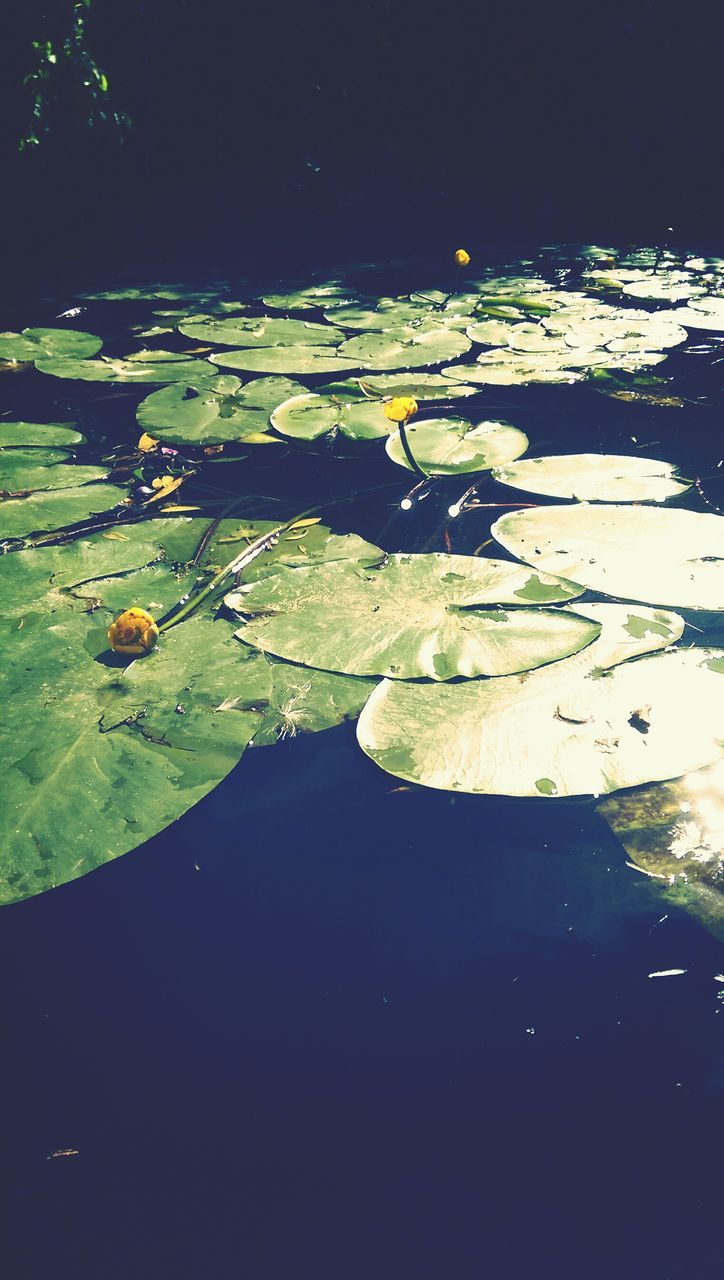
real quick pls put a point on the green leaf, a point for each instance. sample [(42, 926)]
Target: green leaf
[(33, 469), (221, 410), (423, 386), (451, 446), (659, 556), (157, 366), (436, 616), (674, 831), (595, 477), (36, 344), (292, 359), (404, 348), (98, 759), (261, 331), (307, 701), (585, 726), (306, 417), (43, 512), (14, 434)]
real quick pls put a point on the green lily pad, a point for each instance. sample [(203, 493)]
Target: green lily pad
[(437, 616), (156, 366), (293, 359), (43, 434), (303, 700), (423, 386), (451, 446), (47, 511), (261, 331), (389, 313), (36, 344), (586, 726), (658, 556), (215, 412), (306, 417), (113, 755), (674, 832), (595, 477), (404, 348), (331, 294), (22, 470)]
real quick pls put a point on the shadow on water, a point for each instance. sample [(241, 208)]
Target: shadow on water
[(327, 1025)]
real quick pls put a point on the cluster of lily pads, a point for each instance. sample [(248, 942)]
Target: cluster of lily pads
[(467, 673)]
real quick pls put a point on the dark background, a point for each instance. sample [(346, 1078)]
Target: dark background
[(294, 133)]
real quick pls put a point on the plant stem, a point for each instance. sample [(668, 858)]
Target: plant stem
[(409, 454), (188, 605)]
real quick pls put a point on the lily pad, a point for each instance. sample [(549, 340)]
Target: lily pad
[(312, 297), (586, 726), (36, 344), (292, 359), (261, 331), (216, 412), (674, 832), (48, 511), (113, 755), (22, 470), (437, 616), (595, 477), (423, 386), (451, 446), (404, 348), (659, 556), (157, 366), (43, 434), (306, 417), (303, 700)]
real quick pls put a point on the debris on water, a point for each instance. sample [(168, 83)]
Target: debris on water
[(66, 1151), (667, 973)]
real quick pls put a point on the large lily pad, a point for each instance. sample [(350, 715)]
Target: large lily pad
[(451, 446), (36, 344), (112, 756), (157, 366), (595, 477), (306, 417), (261, 331), (216, 412), (48, 511), (437, 616), (404, 348), (658, 556), (586, 726)]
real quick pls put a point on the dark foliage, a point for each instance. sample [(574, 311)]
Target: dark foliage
[(336, 130)]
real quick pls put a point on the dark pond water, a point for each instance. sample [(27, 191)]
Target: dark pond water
[(328, 1027)]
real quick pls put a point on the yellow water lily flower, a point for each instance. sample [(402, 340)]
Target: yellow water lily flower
[(400, 408), (462, 257), (146, 443), (134, 632)]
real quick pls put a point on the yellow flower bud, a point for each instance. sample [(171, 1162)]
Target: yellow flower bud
[(133, 632), (400, 408), (462, 257)]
